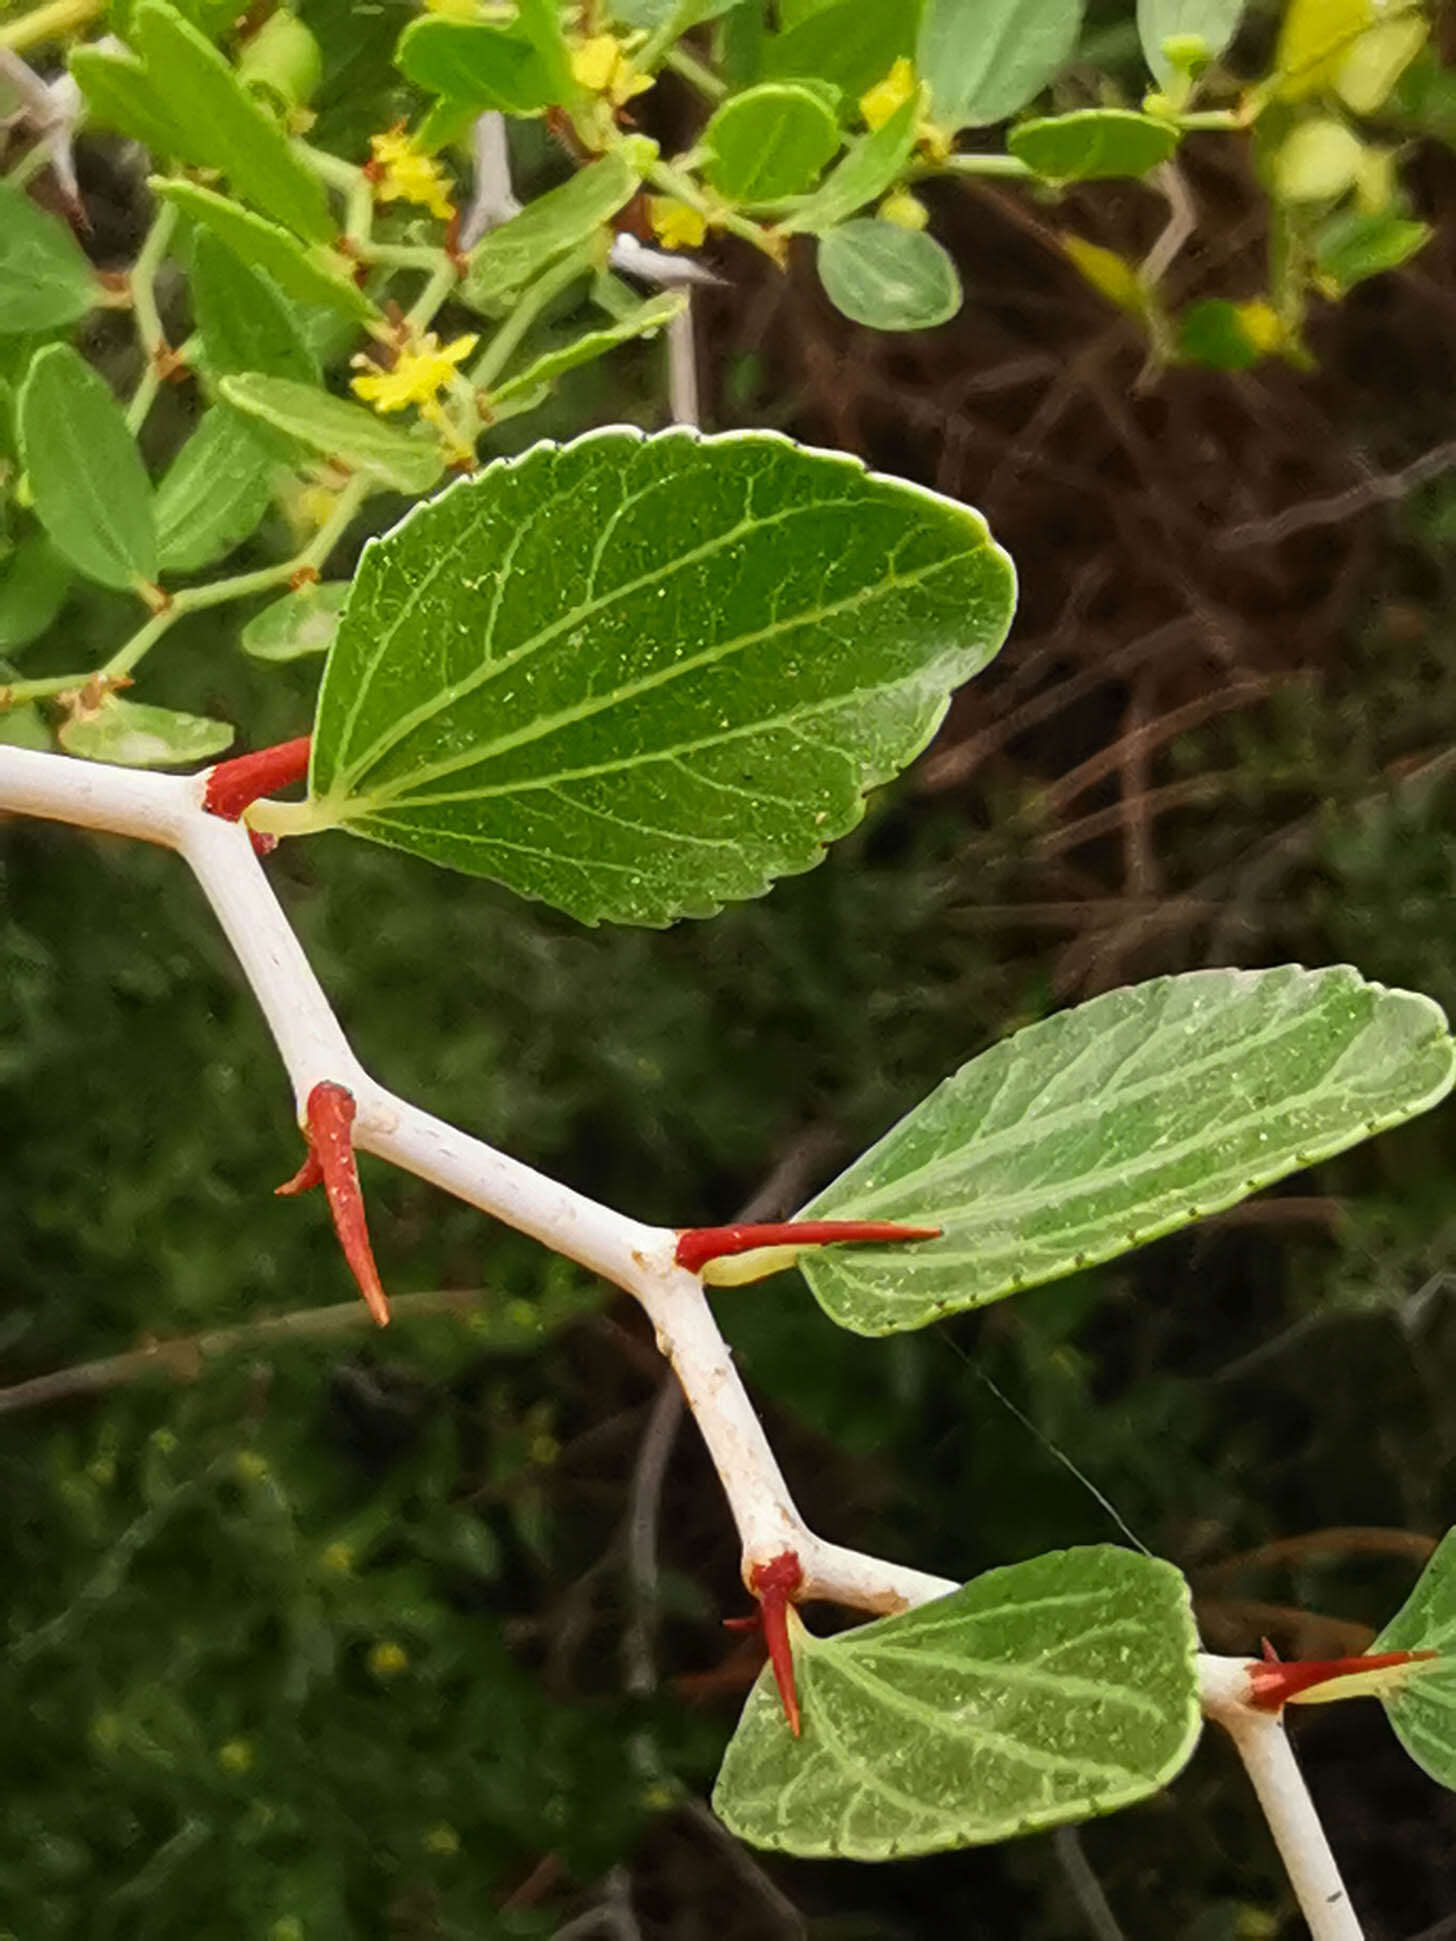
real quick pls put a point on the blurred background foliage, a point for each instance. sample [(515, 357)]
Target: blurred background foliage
[(315, 1633)]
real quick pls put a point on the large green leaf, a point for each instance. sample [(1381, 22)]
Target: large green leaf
[(245, 322), (869, 167), (1123, 1119), (849, 43), (214, 494), (410, 461), (222, 125), (1092, 144), (87, 480), (768, 142), (1210, 21), (312, 275), (640, 677), (45, 281), (504, 261), (1050, 1691), (643, 320), (1423, 1712), (887, 277), (984, 59)]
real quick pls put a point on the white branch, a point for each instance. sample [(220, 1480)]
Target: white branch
[(640, 1259)]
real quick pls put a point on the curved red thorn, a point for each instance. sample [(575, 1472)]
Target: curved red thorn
[(698, 1245), (233, 786), (1273, 1682), (774, 1584), (330, 1163)]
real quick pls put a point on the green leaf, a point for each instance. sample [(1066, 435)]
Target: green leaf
[(1211, 21), (34, 583), (869, 167), (313, 276), (119, 93), (1424, 1712), (301, 623), (1351, 245), (651, 14), (223, 126), (409, 461), (138, 736), (1047, 1692), (245, 322), (887, 277), (215, 492), (1092, 144), (45, 281), (984, 59), (484, 66), (1212, 333), (642, 321), (505, 260), (769, 141), (87, 480), (1121, 1120), (744, 637), (1317, 161), (847, 43)]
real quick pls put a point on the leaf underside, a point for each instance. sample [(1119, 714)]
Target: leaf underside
[(1423, 1713), (640, 677), (1126, 1118), (1043, 1693)]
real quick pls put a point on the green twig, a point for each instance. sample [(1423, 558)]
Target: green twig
[(547, 287), (143, 286), (696, 74)]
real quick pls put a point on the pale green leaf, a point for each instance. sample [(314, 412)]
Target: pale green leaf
[(135, 735), (45, 281), (409, 461), (87, 480), (1092, 144), (1126, 1118), (301, 623), (119, 93), (847, 43), (505, 260), (1423, 1713), (769, 141), (984, 59), (1210, 21), (214, 493), (245, 322), (1050, 1691), (222, 125), (641, 677), (869, 167), (887, 277), (471, 61), (1317, 161), (1353, 244), (312, 275), (34, 583), (644, 320)]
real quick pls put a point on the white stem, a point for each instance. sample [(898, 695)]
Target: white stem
[(169, 810)]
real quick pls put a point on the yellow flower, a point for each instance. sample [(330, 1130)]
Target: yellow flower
[(420, 373), (1260, 323), (404, 173), (388, 1659), (675, 224), (906, 211), (601, 66), (885, 97)]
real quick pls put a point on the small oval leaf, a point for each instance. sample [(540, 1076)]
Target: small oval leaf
[(301, 623), (471, 61), (34, 583), (985, 59), (1092, 144), (742, 636), (1126, 1118), (410, 461), (245, 322), (87, 480), (136, 735), (214, 494), (1423, 1713), (889, 278), (845, 42), (45, 281), (313, 276), (1047, 1692), (769, 141), (1210, 21), (869, 167), (644, 320)]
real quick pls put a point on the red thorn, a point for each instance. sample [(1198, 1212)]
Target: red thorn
[(1273, 1683), (698, 1245), (233, 786), (330, 1163), (774, 1585)]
